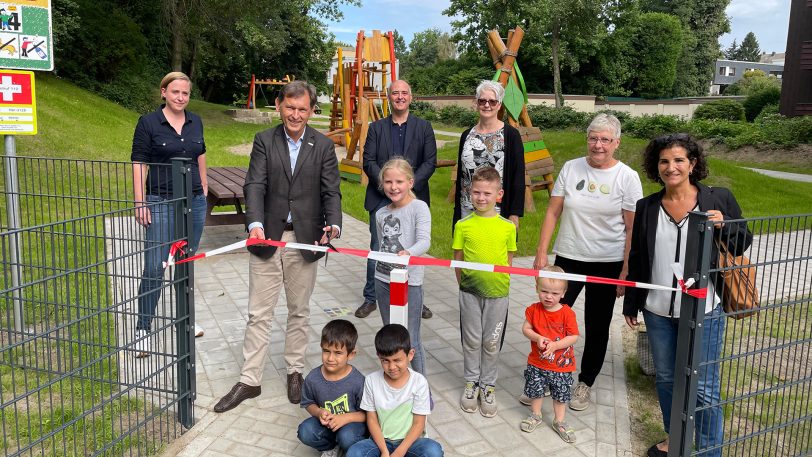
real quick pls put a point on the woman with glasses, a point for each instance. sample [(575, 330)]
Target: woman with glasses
[(658, 240), (493, 143), (594, 198)]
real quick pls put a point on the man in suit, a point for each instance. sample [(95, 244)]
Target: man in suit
[(292, 194), (399, 134)]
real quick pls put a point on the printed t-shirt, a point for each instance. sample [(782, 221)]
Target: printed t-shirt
[(395, 407), (592, 227), (338, 397), (485, 240), (554, 325), (406, 228)]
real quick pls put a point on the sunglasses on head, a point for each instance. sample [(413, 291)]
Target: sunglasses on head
[(484, 101)]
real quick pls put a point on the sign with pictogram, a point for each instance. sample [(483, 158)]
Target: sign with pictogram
[(25, 35), (18, 104)]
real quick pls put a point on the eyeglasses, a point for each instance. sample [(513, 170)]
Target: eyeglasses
[(603, 141), (484, 101)]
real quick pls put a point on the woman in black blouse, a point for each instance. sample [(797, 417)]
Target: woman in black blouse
[(491, 142), (166, 133)]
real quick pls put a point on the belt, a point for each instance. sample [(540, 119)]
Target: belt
[(289, 226)]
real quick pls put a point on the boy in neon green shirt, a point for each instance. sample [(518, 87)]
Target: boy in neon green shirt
[(483, 236)]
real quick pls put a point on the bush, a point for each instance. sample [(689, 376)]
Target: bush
[(424, 110), (719, 129), (728, 110), (458, 116), (756, 101), (551, 118), (650, 126)]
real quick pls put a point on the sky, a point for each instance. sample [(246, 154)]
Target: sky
[(768, 19)]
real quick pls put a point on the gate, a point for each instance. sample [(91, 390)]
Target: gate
[(72, 257)]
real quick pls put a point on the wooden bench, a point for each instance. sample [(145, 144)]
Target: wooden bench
[(225, 189)]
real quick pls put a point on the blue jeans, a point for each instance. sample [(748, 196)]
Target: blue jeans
[(423, 447), (159, 237), (321, 438), (413, 319), (662, 336), (374, 245)]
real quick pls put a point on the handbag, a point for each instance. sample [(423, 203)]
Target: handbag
[(740, 297)]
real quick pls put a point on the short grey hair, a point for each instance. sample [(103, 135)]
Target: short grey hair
[(297, 89), (492, 86), (603, 122)]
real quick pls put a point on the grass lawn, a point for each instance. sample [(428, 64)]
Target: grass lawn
[(76, 124)]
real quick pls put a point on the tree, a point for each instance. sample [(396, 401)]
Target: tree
[(639, 57), (732, 53), (657, 42), (559, 27), (749, 50), (703, 22)]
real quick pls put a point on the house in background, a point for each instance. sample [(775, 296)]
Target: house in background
[(729, 71), (772, 57)]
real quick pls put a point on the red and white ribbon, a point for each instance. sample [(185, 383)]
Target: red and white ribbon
[(411, 260)]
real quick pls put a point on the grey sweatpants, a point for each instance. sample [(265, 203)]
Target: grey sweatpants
[(482, 327)]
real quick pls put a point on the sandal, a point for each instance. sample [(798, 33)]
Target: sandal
[(530, 423), (566, 432)]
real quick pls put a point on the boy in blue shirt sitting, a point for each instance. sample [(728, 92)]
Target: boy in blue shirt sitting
[(332, 394)]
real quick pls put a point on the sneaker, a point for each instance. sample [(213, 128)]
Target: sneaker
[(580, 397), (198, 331), (468, 401), (426, 313), (331, 453), (488, 400), (366, 309), (142, 345)]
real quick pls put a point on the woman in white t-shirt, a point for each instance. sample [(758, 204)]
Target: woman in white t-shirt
[(594, 198)]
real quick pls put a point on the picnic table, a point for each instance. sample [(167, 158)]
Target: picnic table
[(225, 189)]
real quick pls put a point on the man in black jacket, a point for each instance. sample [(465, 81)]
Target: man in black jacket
[(399, 134)]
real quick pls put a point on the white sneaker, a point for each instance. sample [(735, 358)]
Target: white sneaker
[(142, 345), (331, 453), (580, 397), (487, 399), (198, 331)]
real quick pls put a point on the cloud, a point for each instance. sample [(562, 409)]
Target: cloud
[(756, 9)]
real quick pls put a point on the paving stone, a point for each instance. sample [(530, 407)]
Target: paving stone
[(267, 425)]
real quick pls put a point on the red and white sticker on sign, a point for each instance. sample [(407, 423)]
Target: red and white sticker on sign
[(18, 105)]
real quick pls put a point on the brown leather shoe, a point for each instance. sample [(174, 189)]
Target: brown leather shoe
[(295, 382), (365, 309), (239, 393), (426, 313)]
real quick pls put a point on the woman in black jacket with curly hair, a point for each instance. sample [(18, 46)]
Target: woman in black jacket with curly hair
[(658, 240)]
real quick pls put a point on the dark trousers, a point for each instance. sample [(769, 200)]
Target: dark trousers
[(599, 304)]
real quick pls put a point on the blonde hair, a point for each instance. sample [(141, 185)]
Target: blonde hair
[(174, 76), (400, 164), (554, 281)]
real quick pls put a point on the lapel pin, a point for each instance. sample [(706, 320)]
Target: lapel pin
[(310, 144)]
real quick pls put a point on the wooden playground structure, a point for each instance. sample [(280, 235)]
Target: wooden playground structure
[(360, 96), (538, 162)]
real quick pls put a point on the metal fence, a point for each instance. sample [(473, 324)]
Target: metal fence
[(764, 367), (72, 257)]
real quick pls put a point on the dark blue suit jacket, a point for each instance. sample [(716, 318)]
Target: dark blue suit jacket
[(420, 150)]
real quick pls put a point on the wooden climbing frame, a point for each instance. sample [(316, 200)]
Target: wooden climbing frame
[(539, 165)]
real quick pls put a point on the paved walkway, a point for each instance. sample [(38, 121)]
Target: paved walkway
[(783, 175), (267, 425)]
